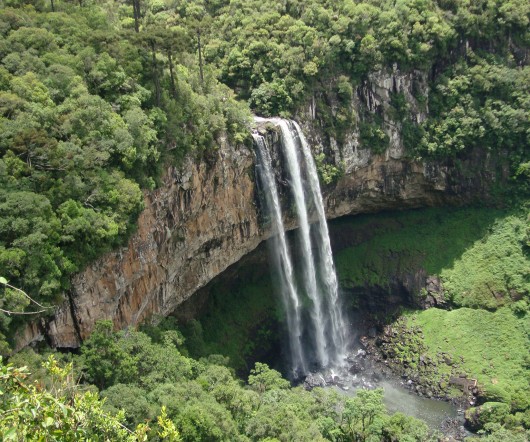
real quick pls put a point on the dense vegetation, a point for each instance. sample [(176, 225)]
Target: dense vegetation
[(479, 253), (279, 54), (88, 113), (194, 400), (95, 97)]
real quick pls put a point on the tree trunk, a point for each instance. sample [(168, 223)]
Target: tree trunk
[(136, 14), (53, 5), (172, 75), (200, 55)]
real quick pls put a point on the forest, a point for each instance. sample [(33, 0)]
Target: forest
[(97, 97)]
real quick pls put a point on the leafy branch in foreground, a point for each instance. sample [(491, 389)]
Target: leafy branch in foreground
[(30, 413)]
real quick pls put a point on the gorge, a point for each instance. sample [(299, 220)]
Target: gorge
[(203, 273), (205, 217)]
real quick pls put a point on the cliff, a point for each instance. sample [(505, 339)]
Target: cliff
[(206, 216)]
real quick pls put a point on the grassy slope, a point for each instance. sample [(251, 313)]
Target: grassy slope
[(468, 248), (477, 252), (493, 347), (480, 257)]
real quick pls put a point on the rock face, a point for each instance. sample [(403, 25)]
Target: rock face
[(205, 217)]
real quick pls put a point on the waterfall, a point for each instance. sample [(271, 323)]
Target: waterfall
[(317, 328), (282, 259), (338, 325), (309, 276)]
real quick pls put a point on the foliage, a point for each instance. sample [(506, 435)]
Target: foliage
[(480, 102), (240, 323), (362, 414), (482, 265), (281, 55), (487, 413), (200, 400), (86, 123), (258, 44), (32, 414), (89, 111), (480, 257), (328, 173), (498, 433), (491, 272), (364, 419), (262, 379)]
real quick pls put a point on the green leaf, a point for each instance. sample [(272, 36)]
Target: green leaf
[(3, 280), (11, 434)]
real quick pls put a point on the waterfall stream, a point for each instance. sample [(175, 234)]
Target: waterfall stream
[(337, 324), (309, 289), (282, 258)]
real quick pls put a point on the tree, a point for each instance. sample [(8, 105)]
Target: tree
[(402, 428), (175, 39), (362, 415), (262, 379), (106, 362), (32, 414), (199, 21)]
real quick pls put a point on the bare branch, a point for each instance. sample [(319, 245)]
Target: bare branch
[(26, 295)]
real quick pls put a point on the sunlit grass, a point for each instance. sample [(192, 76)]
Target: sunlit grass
[(494, 347)]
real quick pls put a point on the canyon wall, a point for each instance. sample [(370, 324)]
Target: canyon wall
[(206, 216)]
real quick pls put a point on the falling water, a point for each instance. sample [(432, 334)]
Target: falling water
[(282, 258), (328, 275), (308, 262), (317, 336)]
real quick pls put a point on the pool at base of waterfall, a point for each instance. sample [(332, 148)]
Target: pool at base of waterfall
[(359, 371)]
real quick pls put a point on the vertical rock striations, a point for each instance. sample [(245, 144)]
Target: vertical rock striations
[(201, 220)]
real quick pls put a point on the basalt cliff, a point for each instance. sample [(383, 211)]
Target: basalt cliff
[(206, 216)]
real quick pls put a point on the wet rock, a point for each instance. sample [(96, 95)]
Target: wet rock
[(313, 380), (356, 381), (453, 429), (356, 368), (434, 295), (376, 376), (361, 353)]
